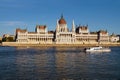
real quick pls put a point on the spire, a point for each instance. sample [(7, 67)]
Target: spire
[(57, 23), (57, 27), (61, 16), (73, 26)]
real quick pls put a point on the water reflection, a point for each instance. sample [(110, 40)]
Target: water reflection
[(62, 64)]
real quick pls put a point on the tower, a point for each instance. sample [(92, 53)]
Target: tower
[(57, 27), (73, 26), (62, 25)]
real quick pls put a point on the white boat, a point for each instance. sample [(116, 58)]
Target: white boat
[(98, 49)]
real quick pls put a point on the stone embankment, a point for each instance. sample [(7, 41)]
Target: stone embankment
[(57, 45)]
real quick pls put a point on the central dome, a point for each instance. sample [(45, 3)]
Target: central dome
[(62, 20)]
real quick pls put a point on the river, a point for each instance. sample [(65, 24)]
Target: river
[(53, 63)]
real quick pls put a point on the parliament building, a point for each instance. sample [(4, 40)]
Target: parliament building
[(61, 35)]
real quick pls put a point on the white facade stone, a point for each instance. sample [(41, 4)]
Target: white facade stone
[(61, 35)]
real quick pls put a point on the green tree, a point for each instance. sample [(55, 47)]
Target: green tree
[(7, 39), (10, 39), (4, 39)]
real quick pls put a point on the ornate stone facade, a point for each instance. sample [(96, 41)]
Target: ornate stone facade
[(62, 35)]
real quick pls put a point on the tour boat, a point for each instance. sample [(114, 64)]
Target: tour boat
[(98, 49)]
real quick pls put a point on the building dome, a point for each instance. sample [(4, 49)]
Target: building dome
[(62, 20)]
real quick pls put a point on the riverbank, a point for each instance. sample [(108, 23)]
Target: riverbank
[(15, 44)]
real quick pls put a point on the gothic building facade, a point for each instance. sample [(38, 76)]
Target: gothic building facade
[(61, 35)]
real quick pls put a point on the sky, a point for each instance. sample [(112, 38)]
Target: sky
[(26, 14)]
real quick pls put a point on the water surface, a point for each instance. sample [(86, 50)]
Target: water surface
[(58, 64)]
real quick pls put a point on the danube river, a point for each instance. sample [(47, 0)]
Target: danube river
[(58, 64)]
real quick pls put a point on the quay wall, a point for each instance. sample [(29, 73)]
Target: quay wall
[(16, 44)]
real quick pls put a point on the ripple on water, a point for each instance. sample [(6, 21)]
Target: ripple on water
[(58, 64)]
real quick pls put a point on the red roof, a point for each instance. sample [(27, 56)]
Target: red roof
[(62, 20), (103, 32), (41, 26), (83, 28), (21, 30)]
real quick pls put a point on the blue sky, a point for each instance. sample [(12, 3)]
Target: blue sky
[(98, 14)]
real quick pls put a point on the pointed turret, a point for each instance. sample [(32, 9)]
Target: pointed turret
[(62, 16), (73, 26), (57, 27)]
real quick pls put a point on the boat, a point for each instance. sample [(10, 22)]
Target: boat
[(98, 49)]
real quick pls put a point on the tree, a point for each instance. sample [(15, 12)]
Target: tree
[(7, 39), (4, 39), (10, 39)]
